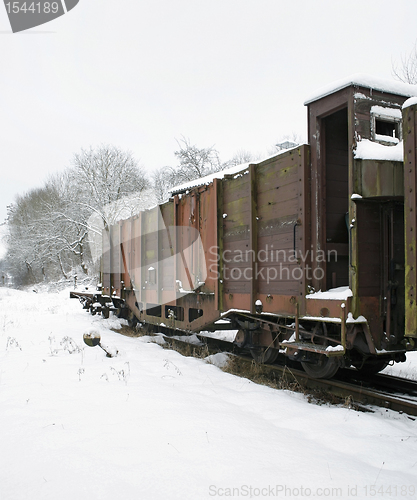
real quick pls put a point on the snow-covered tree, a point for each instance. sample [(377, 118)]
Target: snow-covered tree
[(192, 163), (50, 228), (242, 156)]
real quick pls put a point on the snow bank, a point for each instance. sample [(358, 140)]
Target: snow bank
[(151, 424), (220, 359)]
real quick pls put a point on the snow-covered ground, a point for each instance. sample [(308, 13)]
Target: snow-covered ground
[(151, 424)]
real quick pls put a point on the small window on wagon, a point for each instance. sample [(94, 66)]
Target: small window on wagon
[(386, 125)]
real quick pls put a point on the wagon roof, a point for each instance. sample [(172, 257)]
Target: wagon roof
[(365, 81)]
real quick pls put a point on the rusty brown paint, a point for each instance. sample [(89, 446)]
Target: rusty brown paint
[(280, 202)]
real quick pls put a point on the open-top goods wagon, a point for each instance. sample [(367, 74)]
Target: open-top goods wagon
[(311, 252)]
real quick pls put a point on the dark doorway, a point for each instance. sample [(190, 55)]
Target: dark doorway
[(336, 161)]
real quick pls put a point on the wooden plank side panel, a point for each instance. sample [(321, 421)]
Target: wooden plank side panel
[(263, 210), (236, 229), (410, 218), (208, 235), (280, 195)]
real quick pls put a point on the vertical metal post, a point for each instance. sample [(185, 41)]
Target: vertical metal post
[(343, 326), (297, 322), (253, 227), (218, 184)]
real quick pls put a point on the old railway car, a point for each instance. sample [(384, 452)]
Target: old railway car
[(311, 252)]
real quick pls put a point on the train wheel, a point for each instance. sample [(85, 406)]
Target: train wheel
[(242, 338), (264, 354), (324, 368), (373, 367)]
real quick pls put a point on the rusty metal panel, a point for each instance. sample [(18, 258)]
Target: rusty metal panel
[(126, 250), (207, 227), (187, 217), (105, 262), (166, 251), (322, 308), (149, 257), (115, 259), (410, 218), (136, 271)]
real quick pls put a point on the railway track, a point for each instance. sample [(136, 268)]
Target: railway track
[(361, 391), (348, 387)]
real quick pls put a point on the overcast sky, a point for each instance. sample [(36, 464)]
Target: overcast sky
[(139, 75)]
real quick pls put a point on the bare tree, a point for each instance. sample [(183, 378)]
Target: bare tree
[(406, 70), (162, 180), (242, 156), (105, 175), (195, 162), (50, 228), (108, 185), (32, 247)]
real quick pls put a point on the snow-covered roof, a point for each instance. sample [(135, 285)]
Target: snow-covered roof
[(410, 102), (366, 81)]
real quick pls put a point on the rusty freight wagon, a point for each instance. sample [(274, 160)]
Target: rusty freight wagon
[(308, 252)]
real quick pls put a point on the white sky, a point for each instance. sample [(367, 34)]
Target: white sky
[(139, 75)]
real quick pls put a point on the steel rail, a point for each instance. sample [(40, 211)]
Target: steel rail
[(348, 386)]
